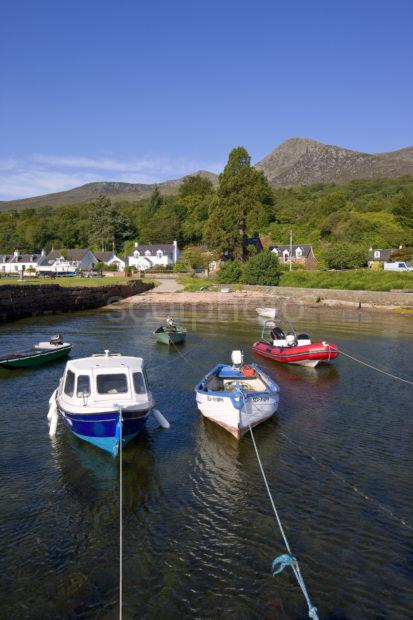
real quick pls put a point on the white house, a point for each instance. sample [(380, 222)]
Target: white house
[(157, 255), (301, 254), (17, 263), (110, 258), (71, 260)]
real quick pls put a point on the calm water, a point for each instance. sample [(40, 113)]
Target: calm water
[(198, 529)]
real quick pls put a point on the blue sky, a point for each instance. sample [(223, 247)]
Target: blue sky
[(144, 91)]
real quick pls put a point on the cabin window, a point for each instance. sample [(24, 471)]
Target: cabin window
[(112, 384), (83, 386), (70, 383), (139, 383)]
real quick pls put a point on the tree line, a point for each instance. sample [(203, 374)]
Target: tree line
[(339, 220)]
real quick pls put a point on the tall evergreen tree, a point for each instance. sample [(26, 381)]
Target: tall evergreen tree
[(155, 201), (243, 205), (108, 227)]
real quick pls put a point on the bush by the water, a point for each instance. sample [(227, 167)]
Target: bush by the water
[(354, 280), (230, 272), (344, 255), (262, 269)]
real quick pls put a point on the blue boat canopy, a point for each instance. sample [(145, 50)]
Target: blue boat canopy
[(228, 372)]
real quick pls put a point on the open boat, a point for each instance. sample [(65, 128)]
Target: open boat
[(291, 348), (104, 399), (40, 353), (170, 333), (237, 396)]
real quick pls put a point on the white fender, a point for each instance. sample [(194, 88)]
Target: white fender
[(162, 421), (52, 416)]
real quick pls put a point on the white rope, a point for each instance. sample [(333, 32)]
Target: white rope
[(312, 611), (384, 372), (120, 515)]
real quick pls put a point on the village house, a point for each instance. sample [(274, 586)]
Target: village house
[(250, 246), (301, 254), (380, 255), (146, 257), (17, 263), (110, 258), (71, 260)]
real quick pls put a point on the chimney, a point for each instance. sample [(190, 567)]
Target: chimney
[(136, 245), (43, 252), (16, 253), (175, 251)]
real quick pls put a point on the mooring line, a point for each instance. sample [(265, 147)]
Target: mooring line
[(357, 490), (384, 372), (120, 514), (285, 560)]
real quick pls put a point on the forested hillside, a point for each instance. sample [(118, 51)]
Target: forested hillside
[(362, 213)]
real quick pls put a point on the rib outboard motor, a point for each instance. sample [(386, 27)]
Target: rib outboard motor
[(277, 334), (57, 340)]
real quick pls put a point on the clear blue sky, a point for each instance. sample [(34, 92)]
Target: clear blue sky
[(144, 91)]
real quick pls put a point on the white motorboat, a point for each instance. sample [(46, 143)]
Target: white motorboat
[(269, 313), (104, 399), (237, 396)]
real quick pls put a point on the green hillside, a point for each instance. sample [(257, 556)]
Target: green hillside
[(358, 214)]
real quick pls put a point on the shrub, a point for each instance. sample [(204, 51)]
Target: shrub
[(181, 267), (345, 256), (262, 269), (230, 272)]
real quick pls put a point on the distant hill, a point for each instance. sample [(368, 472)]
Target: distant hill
[(295, 162), (85, 193), (300, 161)]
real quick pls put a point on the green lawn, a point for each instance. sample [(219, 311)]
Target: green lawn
[(104, 281), (356, 280)]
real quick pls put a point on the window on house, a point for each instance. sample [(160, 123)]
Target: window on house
[(298, 252), (286, 256), (147, 253), (376, 253)]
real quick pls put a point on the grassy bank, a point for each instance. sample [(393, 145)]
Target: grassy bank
[(352, 280), (104, 281)]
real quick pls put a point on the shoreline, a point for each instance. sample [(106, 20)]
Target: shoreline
[(358, 301)]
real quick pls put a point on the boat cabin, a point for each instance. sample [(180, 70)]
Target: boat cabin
[(104, 381)]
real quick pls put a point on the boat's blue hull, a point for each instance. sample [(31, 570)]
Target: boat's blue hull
[(100, 429)]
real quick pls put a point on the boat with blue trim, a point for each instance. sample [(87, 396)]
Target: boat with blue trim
[(104, 399), (238, 396)]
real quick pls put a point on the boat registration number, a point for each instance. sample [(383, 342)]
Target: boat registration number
[(215, 398), (260, 399)]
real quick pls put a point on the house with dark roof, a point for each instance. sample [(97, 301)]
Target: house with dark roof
[(153, 255), (110, 258), (380, 255), (70, 260), (18, 263), (300, 254)]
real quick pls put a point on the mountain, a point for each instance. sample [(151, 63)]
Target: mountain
[(300, 161), (297, 161), (85, 193)]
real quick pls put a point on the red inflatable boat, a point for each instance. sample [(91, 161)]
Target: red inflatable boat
[(291, 348)]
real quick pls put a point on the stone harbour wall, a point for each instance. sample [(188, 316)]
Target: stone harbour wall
[(339, 298), (25, 300)]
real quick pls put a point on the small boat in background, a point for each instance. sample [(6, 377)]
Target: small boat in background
[(170, 333), (104, 399), (40, 353), (237, 396), (288, 347), (269, 313)]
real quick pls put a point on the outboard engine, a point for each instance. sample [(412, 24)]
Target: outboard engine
[(57, 339), (277, 334)]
